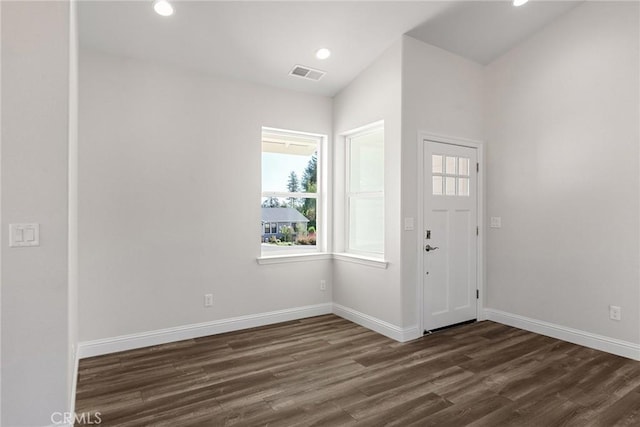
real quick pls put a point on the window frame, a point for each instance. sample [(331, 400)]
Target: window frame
[(319, 196), (350, 195)]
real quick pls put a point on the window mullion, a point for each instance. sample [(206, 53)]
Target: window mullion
[(297, 195), (366, 194)]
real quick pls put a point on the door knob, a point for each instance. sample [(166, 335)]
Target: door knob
[(430, 248)]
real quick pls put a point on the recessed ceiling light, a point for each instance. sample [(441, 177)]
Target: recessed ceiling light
[(323, 53), (163, 7), (519, 2)]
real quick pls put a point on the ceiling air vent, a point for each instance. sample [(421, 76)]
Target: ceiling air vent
[(307, 73)]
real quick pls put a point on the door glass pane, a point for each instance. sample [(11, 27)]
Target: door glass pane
[(437, 186), (463, 186), (450, 187), (463, 166), (451, 165), (436, 162)]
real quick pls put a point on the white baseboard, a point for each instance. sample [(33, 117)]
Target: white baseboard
[(380, 326), (163, 336), (587, 339)]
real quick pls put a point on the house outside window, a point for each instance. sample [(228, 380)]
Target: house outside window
[(291, 215), (277, 220)]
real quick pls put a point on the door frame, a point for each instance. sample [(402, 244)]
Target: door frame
[(423, 137)]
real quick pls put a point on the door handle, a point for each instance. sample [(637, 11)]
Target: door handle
[(430, 248)]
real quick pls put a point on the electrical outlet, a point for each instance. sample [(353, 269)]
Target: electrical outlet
[(208, 300), (323, 285), (615, 312)]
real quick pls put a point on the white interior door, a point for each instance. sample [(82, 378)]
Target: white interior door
[(450, 235)]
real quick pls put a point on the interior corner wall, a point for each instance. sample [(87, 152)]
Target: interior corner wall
[(35, 138), (442, 94), (169, 197), (562, 123), (73, 203), (374, 95)]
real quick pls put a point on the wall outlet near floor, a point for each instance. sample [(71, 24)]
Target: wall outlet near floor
[(615, 312), (208, 300), (323, 285)]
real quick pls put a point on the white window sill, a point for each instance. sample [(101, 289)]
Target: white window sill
[(356, 259), (280, 259), (362, 260)]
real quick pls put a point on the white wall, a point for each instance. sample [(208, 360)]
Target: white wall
[(562, 123), (374, 95), (169, 197), (1, 233), (442, 94), (35, 138), (73, 202)]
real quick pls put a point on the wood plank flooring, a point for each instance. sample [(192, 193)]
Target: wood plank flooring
[(327, 371)]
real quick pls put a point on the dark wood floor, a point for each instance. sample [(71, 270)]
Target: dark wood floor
[(327, 371)]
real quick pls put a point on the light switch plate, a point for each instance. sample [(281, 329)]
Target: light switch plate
[(408, 223), (24, 235), (496, 222)]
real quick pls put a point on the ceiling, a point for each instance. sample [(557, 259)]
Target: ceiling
[(261, 41), (484, 30)]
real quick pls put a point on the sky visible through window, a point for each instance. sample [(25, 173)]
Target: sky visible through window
[(276, 168)]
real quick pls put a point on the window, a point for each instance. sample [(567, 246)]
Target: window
[(450, 175), (290, 205), (365, 191)]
